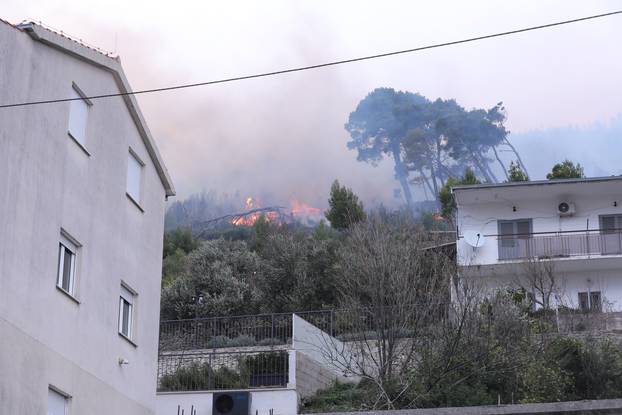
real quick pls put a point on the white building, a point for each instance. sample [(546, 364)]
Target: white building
[(81, 220), (567, 228)]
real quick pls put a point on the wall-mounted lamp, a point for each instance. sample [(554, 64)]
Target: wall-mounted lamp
[(615, 203), (123, 361), (513, 208)]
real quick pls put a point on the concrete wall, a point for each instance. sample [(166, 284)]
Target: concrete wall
[(605, 406), (320, 358), (48, 182), (281, 401)]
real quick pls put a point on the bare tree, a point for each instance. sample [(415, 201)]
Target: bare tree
[(539, 280), (394, 288)]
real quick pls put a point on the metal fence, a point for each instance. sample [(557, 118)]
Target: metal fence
[(560, 244), (196, 371), (270, 330), (226, 332)]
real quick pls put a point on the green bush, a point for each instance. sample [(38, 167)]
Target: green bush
[(339, 397), (543, 383)]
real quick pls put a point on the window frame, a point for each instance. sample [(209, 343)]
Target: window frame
[(71, 244), (508, 243), (79, 137), (137, 199), (127, 296), (54, 391), (60, 278), (588, 297)]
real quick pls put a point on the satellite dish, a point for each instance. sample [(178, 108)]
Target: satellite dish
[(475, 239)]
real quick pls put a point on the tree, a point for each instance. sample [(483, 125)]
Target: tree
[(446, 197), (429, 141), (566, 170), (345, 209), (516, 173), (390, 289), (218, 281), (296, 272)]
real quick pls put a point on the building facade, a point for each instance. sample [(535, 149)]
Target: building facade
[(81, 220), (559, 239)]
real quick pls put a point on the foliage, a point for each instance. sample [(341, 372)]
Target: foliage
[(177, 245), (198, 376), (446, 198), (516, 173), (219, 280), (429, 141), (339, 397), (296, 270), (345, 209), (566, 170)]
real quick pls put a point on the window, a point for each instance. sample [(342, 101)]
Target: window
[(513, 238), (67, 253), (57, 403), (126, 311), (78, 112), (134, 176), (590, 301), (611, 238)]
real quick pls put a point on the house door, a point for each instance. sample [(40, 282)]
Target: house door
[(514, 237), (610, 226)]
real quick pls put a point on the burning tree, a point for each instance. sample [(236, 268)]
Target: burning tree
[(429, 141)]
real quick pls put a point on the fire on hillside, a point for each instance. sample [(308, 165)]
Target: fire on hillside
[(297, 211)]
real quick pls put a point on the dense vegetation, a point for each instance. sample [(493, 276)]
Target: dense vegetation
[(390, 279)]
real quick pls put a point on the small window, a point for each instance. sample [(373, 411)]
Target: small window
[(57, 403), (78, 113), (67, 253), (134, 176), (590, 301), (126, 312)]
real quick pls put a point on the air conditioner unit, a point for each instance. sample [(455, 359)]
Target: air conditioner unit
[(231, 403), (565, 209)]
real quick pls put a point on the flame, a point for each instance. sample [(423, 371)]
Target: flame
[(299, 208), (297, 211), (250, 203)]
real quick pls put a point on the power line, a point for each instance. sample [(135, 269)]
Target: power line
[(321, 65)]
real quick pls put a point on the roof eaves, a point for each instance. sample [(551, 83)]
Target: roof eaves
[(113, 65), (534, 183)]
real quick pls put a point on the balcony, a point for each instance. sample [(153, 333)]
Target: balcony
[(560, 244)]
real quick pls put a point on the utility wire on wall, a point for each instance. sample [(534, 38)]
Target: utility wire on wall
[(321, 65)]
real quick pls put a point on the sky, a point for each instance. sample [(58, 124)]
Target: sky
[(282, 138)]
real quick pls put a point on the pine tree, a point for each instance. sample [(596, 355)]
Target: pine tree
[(345, 209)]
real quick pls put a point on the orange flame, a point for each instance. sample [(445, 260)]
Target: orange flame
[(297, 211)]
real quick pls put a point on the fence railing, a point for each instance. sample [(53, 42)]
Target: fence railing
[(270, 330), (226, 332), (197, 371), (560, 244)]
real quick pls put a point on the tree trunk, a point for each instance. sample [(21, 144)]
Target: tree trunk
[(520, 161), (400, 172), (505, 171), (427, 183)]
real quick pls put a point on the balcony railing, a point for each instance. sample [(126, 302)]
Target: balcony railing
[(560, 244)]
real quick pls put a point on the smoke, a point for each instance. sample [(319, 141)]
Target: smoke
[(281, 138)]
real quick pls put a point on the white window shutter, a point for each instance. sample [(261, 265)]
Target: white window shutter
[(77, 118), (134, 169)]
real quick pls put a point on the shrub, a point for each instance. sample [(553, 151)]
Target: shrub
[(242, 341)]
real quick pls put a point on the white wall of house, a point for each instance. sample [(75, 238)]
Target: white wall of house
[(536, 202), (48, 183), (480, 209), (280, 401)]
